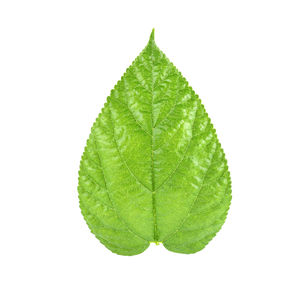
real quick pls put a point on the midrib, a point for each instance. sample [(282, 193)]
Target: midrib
[(155, 233)]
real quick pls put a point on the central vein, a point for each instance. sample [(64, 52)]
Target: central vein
[(155, 234)]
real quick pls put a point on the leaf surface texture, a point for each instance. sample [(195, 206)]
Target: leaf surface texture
[(153, 169)]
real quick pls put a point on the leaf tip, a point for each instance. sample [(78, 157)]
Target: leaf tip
[(151, 39)]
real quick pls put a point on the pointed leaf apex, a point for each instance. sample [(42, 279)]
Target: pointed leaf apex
[(151, 39)]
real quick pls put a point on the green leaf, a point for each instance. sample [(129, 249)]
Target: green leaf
[(153, 169)]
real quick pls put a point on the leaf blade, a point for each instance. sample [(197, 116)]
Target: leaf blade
[(166, 176)]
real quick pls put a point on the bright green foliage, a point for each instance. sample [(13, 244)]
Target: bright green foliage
[(153, 169)]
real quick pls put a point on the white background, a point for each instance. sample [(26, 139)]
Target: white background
[(58, 62)]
